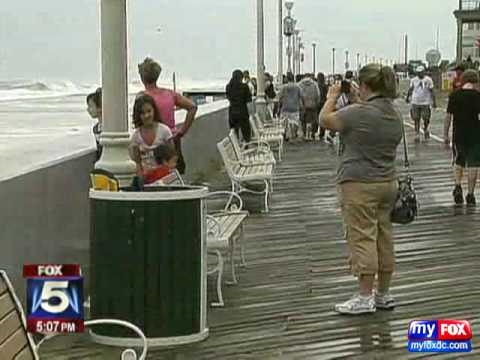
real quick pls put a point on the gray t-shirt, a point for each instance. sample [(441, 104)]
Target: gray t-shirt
[(290, 97), (371, 133)]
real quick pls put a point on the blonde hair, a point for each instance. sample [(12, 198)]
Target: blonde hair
[(149, 71), (380, 79)]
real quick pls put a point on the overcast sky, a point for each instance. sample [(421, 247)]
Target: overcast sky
[(59, 39)]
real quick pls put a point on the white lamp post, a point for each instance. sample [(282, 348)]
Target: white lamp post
[(115, 137), (260, 102), (280, 42), (288, 31)]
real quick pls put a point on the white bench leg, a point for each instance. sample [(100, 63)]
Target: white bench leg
[(234, 280), (219, 271), (243, 262), (266, 195)]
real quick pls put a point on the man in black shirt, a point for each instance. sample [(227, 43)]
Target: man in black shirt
[(464, 109)]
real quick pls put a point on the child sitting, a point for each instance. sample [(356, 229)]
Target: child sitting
[(166, 158)]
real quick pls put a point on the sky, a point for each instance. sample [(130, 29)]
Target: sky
[(207, 39)]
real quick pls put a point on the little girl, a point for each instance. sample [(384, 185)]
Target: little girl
[(149, 133), (166, 158)]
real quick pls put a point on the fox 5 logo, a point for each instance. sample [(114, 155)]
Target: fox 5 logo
[(55, 298)]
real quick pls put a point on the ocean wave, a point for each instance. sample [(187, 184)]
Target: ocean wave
[(16, 90)]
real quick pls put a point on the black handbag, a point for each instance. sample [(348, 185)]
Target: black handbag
[(406, 206)]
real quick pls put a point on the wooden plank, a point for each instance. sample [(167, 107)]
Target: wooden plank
[(14, 344), (25, 354), (3, 286), (9, 324), (6, 304)]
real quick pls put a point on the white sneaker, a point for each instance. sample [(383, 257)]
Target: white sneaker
[(384, 301), (358, 304)]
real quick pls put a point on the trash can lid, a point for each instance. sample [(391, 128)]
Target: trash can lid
[(160, 193)]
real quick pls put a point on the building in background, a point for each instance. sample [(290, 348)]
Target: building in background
[(468, 30)]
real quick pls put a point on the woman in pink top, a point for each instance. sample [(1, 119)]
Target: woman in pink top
[(166, 101)]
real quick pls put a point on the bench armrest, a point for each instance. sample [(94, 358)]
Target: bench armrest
[(228, 205), (258, 143)]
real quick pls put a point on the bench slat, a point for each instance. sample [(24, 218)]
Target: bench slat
[(8, 325), (6, 305), (3, 287), (14, 344), (25, 354)]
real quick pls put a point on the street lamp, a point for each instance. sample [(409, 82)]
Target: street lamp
[(280, 42), (347, 62), (314, 60), (260, 101), (288, 31), (115, 137), (333, 61)]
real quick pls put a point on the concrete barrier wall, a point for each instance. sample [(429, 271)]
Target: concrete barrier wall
[(199, 146), (45, 213)]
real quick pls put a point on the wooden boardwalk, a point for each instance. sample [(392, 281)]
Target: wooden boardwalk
[(282, 307)]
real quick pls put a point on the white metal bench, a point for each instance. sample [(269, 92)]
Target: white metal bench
[(275, 140), (242, 176), (17, 344), (251, 153), (273, 127), (224, 233)]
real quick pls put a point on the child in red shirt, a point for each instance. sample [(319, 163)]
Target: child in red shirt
[(166, 158)]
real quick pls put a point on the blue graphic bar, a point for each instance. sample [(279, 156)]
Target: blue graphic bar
[(439, 346)]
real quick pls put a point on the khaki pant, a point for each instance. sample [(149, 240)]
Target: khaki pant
[(366, 209)]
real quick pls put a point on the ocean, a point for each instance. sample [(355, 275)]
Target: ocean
[(42, 122)]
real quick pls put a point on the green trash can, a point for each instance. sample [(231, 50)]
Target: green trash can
[(148, 263)]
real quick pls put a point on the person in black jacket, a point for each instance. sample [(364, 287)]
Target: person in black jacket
[(323, 87), (238, 94)]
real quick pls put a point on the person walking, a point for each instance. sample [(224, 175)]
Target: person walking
[(291, 103), (238, 94), (311, 101), (464, 109), (366, 183), (422, 95), (323, 87), (166, 101)]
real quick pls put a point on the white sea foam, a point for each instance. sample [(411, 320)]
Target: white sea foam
[(17, 90)]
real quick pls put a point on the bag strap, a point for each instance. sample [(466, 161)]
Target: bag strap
[(405, 147)]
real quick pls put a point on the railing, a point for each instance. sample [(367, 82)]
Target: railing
[(469, 5)]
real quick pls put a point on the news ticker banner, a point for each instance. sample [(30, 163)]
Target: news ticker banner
[(440, 336), (54, 298)]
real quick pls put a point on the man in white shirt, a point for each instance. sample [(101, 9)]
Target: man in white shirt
[(422, 95)]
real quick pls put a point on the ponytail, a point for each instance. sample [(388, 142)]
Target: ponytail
[(380, 79)]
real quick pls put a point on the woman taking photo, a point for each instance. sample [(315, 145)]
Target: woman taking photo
[(238, 94), (366, 183)]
